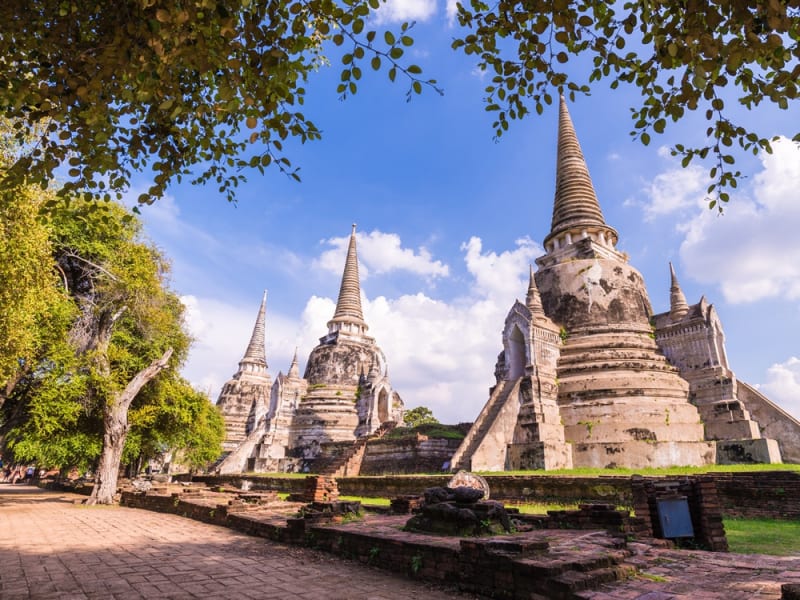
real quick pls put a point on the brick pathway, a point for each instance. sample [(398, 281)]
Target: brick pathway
[(52, 548)]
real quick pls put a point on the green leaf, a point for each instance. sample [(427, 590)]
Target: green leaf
[(388, 37)]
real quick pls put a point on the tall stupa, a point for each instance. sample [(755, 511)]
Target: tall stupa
[(621, 402)]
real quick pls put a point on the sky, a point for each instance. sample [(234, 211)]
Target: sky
[(448, 220)]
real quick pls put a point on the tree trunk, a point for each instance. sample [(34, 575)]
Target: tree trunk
[(115, 430)]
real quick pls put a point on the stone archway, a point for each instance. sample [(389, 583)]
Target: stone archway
[(516, 358), (383, 406)]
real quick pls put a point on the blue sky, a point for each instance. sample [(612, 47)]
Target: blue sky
[(449, 219)]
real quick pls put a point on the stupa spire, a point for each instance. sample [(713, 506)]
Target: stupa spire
[(677, 301), (294, 370), (533, 300), (348, 305), (576, 210), (256, 353)]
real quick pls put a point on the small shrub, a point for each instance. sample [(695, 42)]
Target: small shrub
[(416, 563)]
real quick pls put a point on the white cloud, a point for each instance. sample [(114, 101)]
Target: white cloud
[(222, 331), (452, 10), (441, 354), (675, 189), (497, 275), (783, 385), (752, 251), (395, 11), (381, 253)]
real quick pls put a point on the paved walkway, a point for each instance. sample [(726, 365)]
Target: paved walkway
[(51, 547)]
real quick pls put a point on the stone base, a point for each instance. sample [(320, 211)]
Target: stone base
[(275, 465), (639, 454), (538, 455), (763, 450)]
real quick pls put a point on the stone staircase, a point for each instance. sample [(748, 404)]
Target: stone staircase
[(462, 459), (212, 468), (236, 460), (335, 461)]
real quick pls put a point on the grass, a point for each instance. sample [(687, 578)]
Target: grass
[(366, 501), (763, 536), (622, 472), (433, 430), (540, 508)]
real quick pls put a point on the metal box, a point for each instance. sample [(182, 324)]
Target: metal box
[(673, 514)]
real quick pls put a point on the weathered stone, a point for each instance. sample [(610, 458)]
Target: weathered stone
[(466, 495), (344, 395), (459, 512), (470, 480), (141, 485), (243, 399), (693, 340)]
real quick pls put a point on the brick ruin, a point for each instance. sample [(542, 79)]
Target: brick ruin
[(589, 376), (344, 395)]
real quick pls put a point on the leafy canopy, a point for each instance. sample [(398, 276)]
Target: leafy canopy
[(683, 55), (421, 415), (199, 88), (109, 313)]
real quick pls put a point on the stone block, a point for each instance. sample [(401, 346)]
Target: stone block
[(762, 450)]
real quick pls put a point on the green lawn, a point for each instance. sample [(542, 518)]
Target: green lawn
[(763, 536), (367, 501)]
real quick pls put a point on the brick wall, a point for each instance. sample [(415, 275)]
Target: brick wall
[(770, 495), (767, 494)]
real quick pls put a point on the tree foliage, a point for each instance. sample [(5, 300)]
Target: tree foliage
[(421, 415), (684, 56), (113, 327), (170, 87)]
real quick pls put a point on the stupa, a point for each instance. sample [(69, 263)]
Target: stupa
[(244, 397), (589, 376), (345, 394)]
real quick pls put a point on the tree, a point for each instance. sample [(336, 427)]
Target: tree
[(167, 87), (421, 415), (29, 298), (684, 56), (117, 353), (169, 414)]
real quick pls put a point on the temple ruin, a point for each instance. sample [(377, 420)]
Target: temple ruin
[(590, 377), (344, 395)]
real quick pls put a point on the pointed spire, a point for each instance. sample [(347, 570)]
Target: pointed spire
[(255, 357), (677, 301), (294, 370), (575, 206), (348, 306), (533, 300)]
